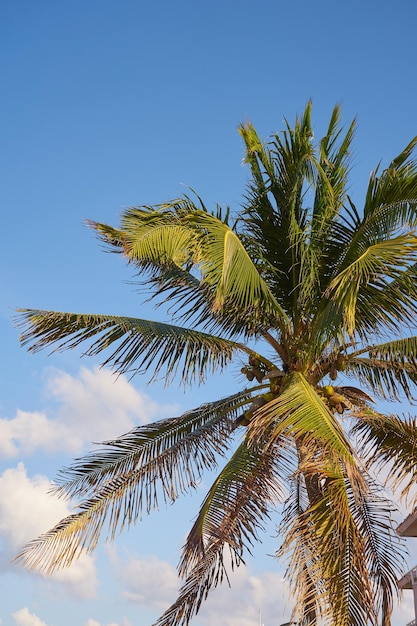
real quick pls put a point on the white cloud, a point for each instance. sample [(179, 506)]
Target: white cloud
[(94, 406), (24, 618), (27, 432), (26, 511)]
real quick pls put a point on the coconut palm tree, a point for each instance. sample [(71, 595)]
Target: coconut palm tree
[(308, 293)]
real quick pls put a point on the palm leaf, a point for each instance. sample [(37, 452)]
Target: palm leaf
[(389, 380), (375, 265), (227, 267), (138, 345), (130, 474), (341, 542), (274, 218), (229, 517), (390, 441), (193, 238), (301, 412)]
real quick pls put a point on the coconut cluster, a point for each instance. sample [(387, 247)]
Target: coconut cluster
[(335, 400), (257, 370)]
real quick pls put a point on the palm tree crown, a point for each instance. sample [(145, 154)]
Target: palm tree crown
[(301, 286)]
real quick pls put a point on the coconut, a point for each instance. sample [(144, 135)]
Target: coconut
[(328, 391)]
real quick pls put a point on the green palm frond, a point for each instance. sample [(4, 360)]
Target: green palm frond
[(300, 411), (390, 441), (398, 351), (389, 380), (393, 193), (228, 269), (375, 264), (130, 474), (331, 186), (138, 345), (196, 239), (230, 517), (274, 216)]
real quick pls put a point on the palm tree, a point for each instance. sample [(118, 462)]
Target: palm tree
[(304, 289)]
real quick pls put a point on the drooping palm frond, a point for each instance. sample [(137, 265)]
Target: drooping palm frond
[(341, 544), (196, 239), (331, 584), (389, 443), (173, 452), (228, 523), (138, 345), (130, 474), (388, 375)]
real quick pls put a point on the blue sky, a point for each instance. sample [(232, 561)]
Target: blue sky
[(106, 104)]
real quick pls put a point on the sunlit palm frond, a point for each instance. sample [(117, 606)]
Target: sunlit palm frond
[(375, 264), (327, 551), (228, 269), (395, 353), (228, 523), (171, 453), (387, 380), (197, 239), (129, 475), (394, 192), (301, 412), (229, 512), (137, 344), (389, 442), (66, 541)]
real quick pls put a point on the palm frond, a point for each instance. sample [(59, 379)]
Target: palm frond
[(130, 474), (229, 512), (396, 188), (274, 218), (193, 238), (342, 541), (375, 264), (230, 517), (390, 380), (331, 185), (301, 412), (138, 345), (227, 267), (390, 441)]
